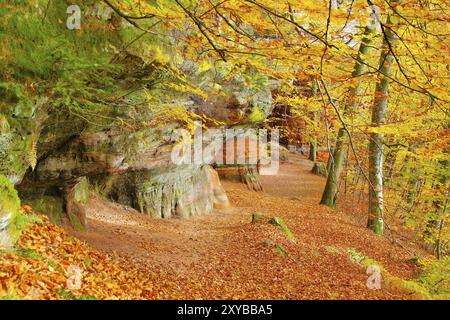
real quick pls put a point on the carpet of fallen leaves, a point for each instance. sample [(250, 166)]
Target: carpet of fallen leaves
[(225, 256), (46, 260), (218, 256)]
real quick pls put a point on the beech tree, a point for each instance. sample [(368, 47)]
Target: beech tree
[(338, 157), (380, 108)]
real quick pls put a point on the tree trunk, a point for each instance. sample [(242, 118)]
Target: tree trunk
[(375, 220), (439, 240), (313, 143), (330, 192), (313, 151)]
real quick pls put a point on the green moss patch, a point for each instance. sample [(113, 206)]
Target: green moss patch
[(51, 206), (11, 218), (277, 221), (20, 223), (433, 282), (435, 276), (257, 217), (279, 249), (9, 201)]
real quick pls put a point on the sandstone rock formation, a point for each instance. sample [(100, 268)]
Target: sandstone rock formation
[(77, 135)]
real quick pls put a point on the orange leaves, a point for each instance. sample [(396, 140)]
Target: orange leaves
[(49, 264), (220, 256)]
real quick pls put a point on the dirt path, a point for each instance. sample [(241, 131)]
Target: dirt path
[(223, 255)]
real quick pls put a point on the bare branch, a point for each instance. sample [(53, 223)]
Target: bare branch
[(199, 25)]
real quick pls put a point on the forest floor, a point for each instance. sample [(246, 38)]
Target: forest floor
[(224, 256)]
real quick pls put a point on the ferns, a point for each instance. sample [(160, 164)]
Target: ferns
[(32, 151)]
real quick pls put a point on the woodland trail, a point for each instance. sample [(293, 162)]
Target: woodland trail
[(223, 255)]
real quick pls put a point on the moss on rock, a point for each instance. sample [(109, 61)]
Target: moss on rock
[(51, 206), (9, 209), (257, 217), (76, 198), (276, 221), (166, 192), (12, 220), (432, 283)]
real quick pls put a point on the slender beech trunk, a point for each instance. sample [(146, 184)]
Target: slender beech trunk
[(338, 159), (330, 159), (313, 150), (439, 239), (375, 221), (313, 142)]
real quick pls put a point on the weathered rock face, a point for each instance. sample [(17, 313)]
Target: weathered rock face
[(76, 199), (112, 151), (20, 122), (59, 184), (243, 163), (130, 167), (246, 174), (220, 198), (177, 191), (64, 128)]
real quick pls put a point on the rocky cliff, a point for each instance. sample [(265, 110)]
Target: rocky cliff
[(105, 124)]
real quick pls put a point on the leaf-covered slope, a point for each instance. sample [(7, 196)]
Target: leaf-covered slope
[(47, 261)]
